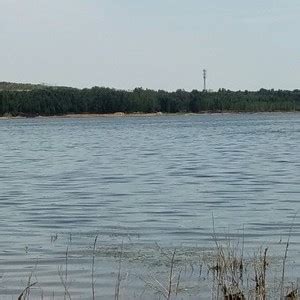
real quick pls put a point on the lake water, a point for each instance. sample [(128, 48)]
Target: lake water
[(140, 181)]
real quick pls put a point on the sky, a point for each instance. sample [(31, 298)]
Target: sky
[(156, 44)]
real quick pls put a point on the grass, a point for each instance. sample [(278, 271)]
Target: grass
[(226, 270)]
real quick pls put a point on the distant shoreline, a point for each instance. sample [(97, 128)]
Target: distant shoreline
[(103, 102), (136, 114)]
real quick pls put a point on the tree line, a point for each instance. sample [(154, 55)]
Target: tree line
[(48, 101)]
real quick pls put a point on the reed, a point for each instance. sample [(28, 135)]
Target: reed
[(93, 266), (231, 274)]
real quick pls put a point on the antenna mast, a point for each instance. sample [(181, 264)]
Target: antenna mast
[(204, 79)]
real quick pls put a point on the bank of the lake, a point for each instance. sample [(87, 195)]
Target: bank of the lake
[(135, 114), (51, 101)]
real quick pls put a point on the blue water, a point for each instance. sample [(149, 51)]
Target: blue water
[(141, 181)]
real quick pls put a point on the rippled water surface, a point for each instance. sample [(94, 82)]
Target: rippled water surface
[(140, 181)]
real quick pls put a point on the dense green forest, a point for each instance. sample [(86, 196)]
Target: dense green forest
[(13, 86), (33, 100)]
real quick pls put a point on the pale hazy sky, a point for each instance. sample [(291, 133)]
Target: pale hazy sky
[(159, 44)]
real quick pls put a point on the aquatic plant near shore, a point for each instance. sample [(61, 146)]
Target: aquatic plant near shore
[(230, 273)]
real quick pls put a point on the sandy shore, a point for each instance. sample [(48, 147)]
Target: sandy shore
[(136, 114), (88, 115), (117, 114)]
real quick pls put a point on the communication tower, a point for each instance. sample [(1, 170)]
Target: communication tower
[(204, 79)]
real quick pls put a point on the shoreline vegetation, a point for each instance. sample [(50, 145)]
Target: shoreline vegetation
[(27, 100), (124, 115), (226, 272)]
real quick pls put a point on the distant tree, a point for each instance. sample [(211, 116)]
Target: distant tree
[(62, 100)]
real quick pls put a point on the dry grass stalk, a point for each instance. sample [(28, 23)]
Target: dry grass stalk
[(171, 276), (228, 269), (293, 295), (283, 266), (22, 296), (260, 270), (119, 277), (285, 258), (178, 282), (93, 267), (172, 285), (64, 277), (26, 292)]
